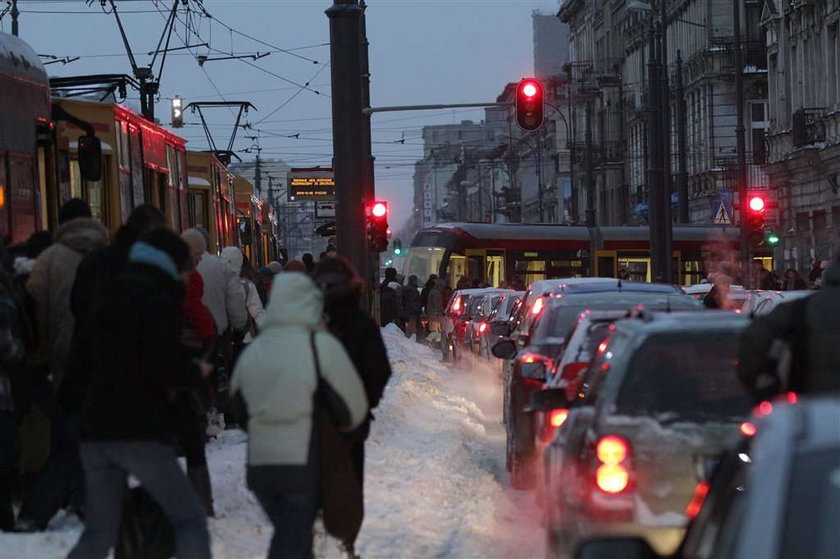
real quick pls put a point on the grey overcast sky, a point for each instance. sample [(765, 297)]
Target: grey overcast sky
[(422, 52)]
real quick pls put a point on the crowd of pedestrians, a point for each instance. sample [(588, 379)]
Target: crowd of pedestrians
[(118, 356)]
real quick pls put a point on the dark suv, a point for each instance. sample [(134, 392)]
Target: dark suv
[(657, 406), (532, 352)]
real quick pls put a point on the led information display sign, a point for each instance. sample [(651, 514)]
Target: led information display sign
[(311, 185)]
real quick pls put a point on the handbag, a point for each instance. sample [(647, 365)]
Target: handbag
[(342, 499)]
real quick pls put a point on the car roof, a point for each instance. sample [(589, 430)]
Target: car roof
[(649, 322), (623, 300), (612, 285), (706, 287), (481, 291), (546, 286)]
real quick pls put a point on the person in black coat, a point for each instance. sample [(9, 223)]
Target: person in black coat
[(412, 307), (361, 338), (130, 347)]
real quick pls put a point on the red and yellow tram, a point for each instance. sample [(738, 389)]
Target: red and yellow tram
[(504, 253), (211, 198)]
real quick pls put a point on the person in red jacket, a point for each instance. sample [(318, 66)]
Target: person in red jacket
[(199, 330), (188, 409)]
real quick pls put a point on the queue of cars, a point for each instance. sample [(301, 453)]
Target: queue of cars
[(624, 414)]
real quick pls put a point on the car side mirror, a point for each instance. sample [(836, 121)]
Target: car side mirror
[(547, 400), (499, 329), (608, 548), (504, 349), (90, 158)]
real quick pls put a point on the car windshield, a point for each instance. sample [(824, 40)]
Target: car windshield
[(685, 376), (813, 506)]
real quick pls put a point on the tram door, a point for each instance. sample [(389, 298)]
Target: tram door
[(608, 264), (486, 265)]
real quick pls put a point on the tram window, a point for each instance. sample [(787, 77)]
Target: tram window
[(565, 269), (423, 261), (495, 270), (692, 272), (21, 196), (606, 267), (457, 268), (530, 270), (4, 209), (93, 193)]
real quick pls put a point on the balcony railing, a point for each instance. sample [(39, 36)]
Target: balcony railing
[(808, 127)]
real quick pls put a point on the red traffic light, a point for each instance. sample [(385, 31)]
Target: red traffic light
[(529, 89), (757, 203), (530, 104), (379, 209)]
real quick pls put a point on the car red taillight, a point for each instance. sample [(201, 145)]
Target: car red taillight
[(552, 421), (557, 417), (696, 503), (482, 328), (613, 474)]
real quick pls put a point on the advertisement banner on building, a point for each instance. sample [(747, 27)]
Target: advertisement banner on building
[(308, 185)]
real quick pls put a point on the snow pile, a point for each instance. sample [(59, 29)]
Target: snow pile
[(435, 478), (435, 465)]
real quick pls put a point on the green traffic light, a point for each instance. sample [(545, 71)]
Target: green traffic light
[(773, 239), (397, 251)]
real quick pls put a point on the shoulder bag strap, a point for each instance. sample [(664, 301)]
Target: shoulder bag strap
[(315, 357)]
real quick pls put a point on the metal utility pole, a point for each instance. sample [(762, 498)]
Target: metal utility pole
[(682, 141), (540, 175), (348, 154), (571, 133), (741, 142), (654, 172), (368, 181), (14, 13), (258, 175), (667, 181), (590, 174)]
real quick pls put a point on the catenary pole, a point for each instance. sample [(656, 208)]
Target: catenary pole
[(345, 18), (654, 172), (14, 12), (741, 143), (682, 146), (667, 181)]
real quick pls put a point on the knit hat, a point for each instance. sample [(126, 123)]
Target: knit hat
[(72, 209)]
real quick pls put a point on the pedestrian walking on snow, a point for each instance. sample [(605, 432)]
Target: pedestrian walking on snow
[(361, 338), (412, 308), (131, 348), (52, 277), (292, 379)]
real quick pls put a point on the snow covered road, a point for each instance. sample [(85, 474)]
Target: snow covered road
[(435, 479)]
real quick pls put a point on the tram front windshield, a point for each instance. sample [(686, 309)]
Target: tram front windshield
[(423, 261)]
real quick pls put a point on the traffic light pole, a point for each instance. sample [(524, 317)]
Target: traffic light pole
[(345, 18), (372, 257), (741, 145)]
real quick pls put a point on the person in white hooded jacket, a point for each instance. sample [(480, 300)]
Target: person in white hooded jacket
[(278, 380), (235, 259)]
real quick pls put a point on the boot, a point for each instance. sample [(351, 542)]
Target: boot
[(200, 478)]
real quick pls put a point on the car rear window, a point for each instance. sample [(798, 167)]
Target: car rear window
[(813, 506), (685, 376)]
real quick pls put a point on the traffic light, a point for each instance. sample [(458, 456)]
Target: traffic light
[(756, 205), (177, 112), (377, 227), (771, 238), (530, 104), (397, 247)]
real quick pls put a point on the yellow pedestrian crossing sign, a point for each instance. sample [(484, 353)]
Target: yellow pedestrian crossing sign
[(722, 217)]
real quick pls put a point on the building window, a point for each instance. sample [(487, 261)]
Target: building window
[(803, 222), (820, 221)]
